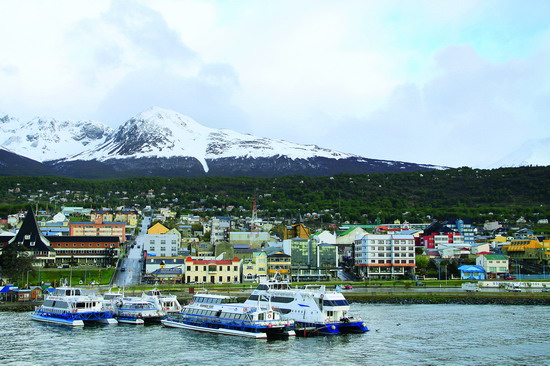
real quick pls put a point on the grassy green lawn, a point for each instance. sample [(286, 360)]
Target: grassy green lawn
[(56, 276)]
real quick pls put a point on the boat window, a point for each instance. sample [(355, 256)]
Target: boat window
[(261, 316), (262, 287), (282, 299), (335, 302), (49, 303), (253, 297), (81, 305)]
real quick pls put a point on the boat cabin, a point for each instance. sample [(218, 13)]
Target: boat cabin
[(64, 291)]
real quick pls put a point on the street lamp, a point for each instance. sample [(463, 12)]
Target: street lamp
[(438, 264)]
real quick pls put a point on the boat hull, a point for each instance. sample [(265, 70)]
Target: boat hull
[(232, 332), (47, 319), (74, 319), (311, 329), (128, 320)]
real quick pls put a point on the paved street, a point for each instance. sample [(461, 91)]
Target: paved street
[(129, 272)]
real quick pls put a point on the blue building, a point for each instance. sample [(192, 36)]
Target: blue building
[(471, 272)]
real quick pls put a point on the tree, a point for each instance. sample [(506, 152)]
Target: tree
[(422, 262), (16, 262)]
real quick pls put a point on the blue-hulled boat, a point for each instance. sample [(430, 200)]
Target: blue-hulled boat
[(70, 306), (221, 314)]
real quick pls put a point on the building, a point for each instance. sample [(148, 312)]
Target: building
[(30, 240), (255, 268), (254, 239), (162, 245), (157, 228), (385, 256), (298, 230), (50, 251), (312, 260), (98, 227), (100, 251), (219, 229), (162, 269), (495, 265), (278, 263), (212, 270), (470, 272), (464, 227)]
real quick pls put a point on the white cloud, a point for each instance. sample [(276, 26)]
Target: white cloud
[(445, 82)]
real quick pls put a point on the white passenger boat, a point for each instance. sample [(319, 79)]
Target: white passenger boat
[(168, 303), (223, 315), (137, 310), (133, 309), (70, 306), (314, 309)]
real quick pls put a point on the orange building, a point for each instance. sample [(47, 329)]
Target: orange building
[(98, 227)]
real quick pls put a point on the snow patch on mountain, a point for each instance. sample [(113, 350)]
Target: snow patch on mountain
[(532, 152), (45, 139)]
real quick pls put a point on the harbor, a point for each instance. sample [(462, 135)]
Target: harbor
[(400, 334)]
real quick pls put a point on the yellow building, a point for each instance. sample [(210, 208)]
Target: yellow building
[(278, 263), (525, 249), (296, 231), (158, 228), (212, 271), (255, 268)]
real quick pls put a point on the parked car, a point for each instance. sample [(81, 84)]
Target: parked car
[(348, 287), (510, 278)]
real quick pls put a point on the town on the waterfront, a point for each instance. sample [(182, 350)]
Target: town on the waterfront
[(148, 247)]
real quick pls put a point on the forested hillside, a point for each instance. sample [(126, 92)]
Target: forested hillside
[(504, 194)]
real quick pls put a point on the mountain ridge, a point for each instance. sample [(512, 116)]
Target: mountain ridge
[(166, 143)]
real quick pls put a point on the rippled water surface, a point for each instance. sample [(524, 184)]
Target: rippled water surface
[(400, 335)]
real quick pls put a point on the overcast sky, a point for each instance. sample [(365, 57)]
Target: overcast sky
[(444, 82)]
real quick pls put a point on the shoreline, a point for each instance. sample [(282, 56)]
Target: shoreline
[(401, 298)]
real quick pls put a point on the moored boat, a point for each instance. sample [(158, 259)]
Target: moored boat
[(221, 314), (314, 309), (136, 310), (71, 306), (168, 303)]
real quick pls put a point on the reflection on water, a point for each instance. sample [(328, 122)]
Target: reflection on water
[(400, 335)]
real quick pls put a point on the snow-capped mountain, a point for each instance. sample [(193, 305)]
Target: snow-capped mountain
[(161, 133), (48, 139), (533, 152), (160, 142)]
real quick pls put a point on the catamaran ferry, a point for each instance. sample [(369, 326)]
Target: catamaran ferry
[(133, 310), (223, 315), (314, 309), (70, 306)]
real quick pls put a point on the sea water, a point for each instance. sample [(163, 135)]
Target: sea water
[(399, 335)]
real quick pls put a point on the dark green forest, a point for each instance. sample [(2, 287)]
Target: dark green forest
[(502, 194)]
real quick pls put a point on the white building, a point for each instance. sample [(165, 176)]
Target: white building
[(162, 245), (385, 256), (495, 265)]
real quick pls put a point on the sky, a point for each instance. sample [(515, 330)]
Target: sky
[(454, 83)]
